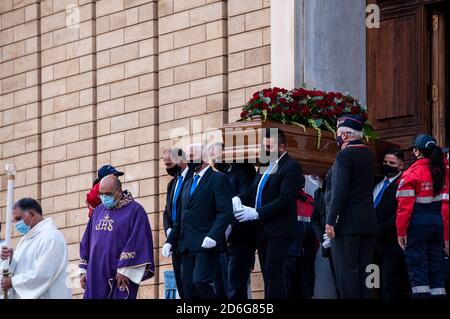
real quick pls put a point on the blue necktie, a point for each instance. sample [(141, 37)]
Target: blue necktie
[(194, 184), (381, 192), (175, 197), (261, 186)]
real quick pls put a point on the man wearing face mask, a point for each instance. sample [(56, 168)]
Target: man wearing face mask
[(351, 220), (39, 264), (241, 242), (388, 255), (272, 200), (175, 163), (116, 252), (199, 232)]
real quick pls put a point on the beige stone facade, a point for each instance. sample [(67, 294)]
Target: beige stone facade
[(86, 82)]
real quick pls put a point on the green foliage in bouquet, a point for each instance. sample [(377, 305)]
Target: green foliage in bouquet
[(305, 108)]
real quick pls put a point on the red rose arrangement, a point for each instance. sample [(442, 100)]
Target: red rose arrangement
[(305, 108)]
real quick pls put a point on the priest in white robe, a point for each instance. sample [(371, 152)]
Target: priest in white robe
[(39, 265)]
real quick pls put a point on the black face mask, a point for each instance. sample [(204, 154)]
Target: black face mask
[(339, 141), (222, 167), (173, 171), (195, 167), (390, 171)]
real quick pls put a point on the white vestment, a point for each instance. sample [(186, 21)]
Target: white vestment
[(40, 264)]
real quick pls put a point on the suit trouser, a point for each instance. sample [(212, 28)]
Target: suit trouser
[(176, 263), (198, 271), (241, 258), (221, 281), (394, 277), (272, 252), (299, 277), (351, 255)]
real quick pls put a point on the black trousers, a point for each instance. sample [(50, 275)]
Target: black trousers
[(299, 277), (351, 255), (198, 271), (241, 259), (272, 252), (176, 263), (221, 281), (394, 276)]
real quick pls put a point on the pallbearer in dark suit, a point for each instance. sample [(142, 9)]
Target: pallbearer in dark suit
[(271, 199), (175, 163), (388, 254), (199, 232), (241, 243), (351, 219)]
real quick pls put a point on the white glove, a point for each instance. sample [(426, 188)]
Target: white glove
[(326, 241), (237, 204), (167, 250), (228, 232), (209, 243), (246, 214), (326, 244), (168, 232)]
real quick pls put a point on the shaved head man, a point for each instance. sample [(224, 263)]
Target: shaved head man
[(116, 252)]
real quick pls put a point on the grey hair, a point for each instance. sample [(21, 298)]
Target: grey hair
[(350, 131), (203, 150)]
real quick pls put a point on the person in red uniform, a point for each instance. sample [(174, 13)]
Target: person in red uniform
[(92, 198), (299, 265), (422, 218)]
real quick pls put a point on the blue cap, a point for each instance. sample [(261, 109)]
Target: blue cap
[(355, 122), (106, 170), (424, 141)]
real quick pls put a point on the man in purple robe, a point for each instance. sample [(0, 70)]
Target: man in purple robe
[(116, 252)]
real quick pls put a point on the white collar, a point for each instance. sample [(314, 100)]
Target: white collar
[(393, 178), (279, 158), (38, 228), (184, 172), (202, 172)]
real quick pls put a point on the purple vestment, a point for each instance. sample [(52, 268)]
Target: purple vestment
[(115, 239)]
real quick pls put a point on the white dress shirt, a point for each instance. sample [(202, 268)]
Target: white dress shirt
[(379, 186)]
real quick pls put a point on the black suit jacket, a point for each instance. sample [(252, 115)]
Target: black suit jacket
[(351, 207), (386, 211), (278, 211), (207, 213), (167, 215), (240, 179)]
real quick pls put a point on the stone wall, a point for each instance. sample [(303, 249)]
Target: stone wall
[(86, 82)]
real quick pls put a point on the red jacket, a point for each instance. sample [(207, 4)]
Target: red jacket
[(305, 208), (92, 198), (416, 186)]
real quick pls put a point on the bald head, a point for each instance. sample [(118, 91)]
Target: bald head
[(110, 184)]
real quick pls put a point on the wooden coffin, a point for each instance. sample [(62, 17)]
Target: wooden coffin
[(316, 151)]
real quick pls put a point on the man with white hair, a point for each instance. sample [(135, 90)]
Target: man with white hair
[(351, 220), (199, 232)]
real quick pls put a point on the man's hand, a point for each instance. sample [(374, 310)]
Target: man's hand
[(209, 243), (402, 241), (246, 214), (83, 281), (446, 247), (7, 253), (122, 281), (6, 283), (168, 232), (329, 230), (167, 250)]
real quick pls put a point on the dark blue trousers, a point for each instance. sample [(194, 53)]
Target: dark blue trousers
[(424, 254)]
